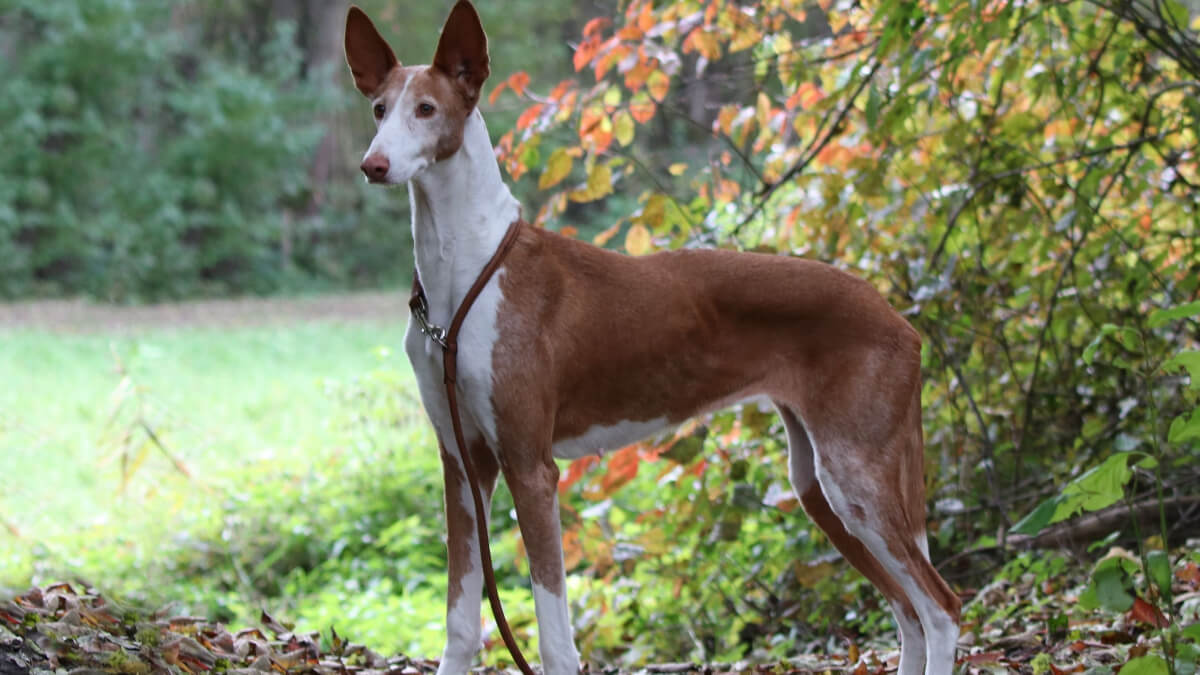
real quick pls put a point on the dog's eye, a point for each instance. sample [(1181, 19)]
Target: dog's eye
[(379, 110), (425, 109)]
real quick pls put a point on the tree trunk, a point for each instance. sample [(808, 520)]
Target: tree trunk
[(326, 18)]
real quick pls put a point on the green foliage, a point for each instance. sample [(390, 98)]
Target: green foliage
[(326, 508), (1110, 582), (1146, 665), (181, 148), (139, 169)]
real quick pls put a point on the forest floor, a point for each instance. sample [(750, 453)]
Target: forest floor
[(1014, 631)]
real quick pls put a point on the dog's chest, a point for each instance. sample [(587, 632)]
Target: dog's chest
[(476, 343)]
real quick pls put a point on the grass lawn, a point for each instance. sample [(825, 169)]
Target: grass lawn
[(219, 399)]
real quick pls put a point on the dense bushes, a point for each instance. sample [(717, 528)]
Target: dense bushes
[(1020, 181)]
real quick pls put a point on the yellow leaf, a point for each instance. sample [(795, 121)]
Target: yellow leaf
[(745, 38), (623, 127), (763, 109), (637, 240), (599, 184), (600, 181), (782, 44), (557, 168), (658, 83), (725, 119), (677, 169), (654, 212)]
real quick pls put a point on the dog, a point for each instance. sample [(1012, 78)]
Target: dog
[(570, 349)]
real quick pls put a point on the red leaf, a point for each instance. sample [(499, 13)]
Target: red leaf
[(560, 90), (645, 19), (1189, 573), (576, 471), (642, 111), (631, 33), (496, 92), (518, 81), (1147, 613), (585, 52), (529, 116), (592, 28), (636, 76), (622, 468)]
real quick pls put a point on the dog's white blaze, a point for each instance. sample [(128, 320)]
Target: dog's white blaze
[(427, 366), (604, 437), (403, 139), (556, 644), (478, 337), (802, 458), (454, 238), (464, 637)]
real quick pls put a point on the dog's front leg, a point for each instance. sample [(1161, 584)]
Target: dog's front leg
[(465, 583), (534, 489)]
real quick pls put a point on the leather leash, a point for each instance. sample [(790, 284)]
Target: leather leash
[(448, 340)]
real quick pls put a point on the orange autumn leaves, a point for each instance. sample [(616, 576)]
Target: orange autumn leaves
[(633, 60)]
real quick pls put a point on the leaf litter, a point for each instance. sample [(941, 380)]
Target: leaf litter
[(1022, 625)]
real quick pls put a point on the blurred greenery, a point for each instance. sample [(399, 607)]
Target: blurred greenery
[(157, 150)]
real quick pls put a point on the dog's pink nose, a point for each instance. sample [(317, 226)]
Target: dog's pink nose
[(375, 168)]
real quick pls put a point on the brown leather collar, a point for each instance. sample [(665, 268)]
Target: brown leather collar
[(448, 340)]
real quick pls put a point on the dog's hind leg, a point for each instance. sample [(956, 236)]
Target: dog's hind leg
[(876, 490), (802, 472)]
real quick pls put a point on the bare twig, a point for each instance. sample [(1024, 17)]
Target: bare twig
[(815, 147)]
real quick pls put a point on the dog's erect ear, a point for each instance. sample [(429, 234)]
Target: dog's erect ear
[(368, 54), (462, 51)]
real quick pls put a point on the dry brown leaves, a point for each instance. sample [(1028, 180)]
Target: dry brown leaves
[(60, 627)]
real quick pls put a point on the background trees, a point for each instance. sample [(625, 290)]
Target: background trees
[(174, 149)]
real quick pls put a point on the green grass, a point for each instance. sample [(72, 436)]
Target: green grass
[(312, 485), (218, 399)]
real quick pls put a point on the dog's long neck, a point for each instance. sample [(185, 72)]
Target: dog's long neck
[(461, 209)]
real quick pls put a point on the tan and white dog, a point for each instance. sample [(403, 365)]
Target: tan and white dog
[(571, 349)]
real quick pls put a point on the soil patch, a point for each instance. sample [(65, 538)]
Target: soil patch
[(83, 316)]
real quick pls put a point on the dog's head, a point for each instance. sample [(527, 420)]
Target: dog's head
[(420, 111)]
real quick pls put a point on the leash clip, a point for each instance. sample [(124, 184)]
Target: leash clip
[(420, 312)]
